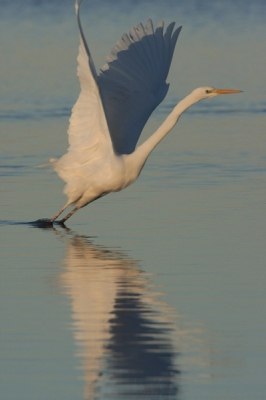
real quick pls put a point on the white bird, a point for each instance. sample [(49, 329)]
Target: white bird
[(113, 108)]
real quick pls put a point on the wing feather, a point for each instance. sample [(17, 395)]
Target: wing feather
[(113, 108), (133, 81), (88, 130)]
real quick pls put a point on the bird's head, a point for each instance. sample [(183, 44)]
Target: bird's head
[(208, 91)]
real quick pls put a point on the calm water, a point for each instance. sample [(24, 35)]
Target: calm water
[(157, 292)]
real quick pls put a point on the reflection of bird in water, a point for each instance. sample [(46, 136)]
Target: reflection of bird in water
[(123, 336), (112, 110), (126, 337)]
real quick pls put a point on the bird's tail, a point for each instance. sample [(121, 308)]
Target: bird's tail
[(51, 164)]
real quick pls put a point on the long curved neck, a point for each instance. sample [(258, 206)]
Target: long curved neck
[(143, 151)]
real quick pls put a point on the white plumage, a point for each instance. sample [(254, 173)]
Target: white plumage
[(113, 108)]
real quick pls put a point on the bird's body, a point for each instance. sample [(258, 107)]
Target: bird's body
[(86, 182), (113, 108)]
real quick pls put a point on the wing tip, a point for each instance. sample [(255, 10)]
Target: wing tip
[(77, 5)]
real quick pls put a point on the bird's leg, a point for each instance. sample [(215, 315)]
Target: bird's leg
[(60, 212), (69, 215)]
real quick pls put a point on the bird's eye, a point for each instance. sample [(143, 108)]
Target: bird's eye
[(207, 91)]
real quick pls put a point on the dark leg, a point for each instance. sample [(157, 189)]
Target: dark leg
[(60, 212), (69, 215)]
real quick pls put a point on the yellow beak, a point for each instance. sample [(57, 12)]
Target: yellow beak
[(226, 91)]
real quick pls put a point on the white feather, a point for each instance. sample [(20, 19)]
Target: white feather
[(113, 108)]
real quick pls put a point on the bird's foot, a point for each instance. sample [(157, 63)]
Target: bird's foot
[(46, 223), (61, 223), (43, 223)]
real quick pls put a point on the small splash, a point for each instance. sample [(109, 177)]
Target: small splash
[(43, 223)]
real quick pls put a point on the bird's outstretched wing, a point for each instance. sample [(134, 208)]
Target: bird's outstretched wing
[(88, 131), (133, 81)]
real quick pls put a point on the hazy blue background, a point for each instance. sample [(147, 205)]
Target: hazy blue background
[(157, 291)]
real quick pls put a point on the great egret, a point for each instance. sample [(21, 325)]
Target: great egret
[(113, 108)]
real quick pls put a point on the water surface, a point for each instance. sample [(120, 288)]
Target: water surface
[(157, 292)]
